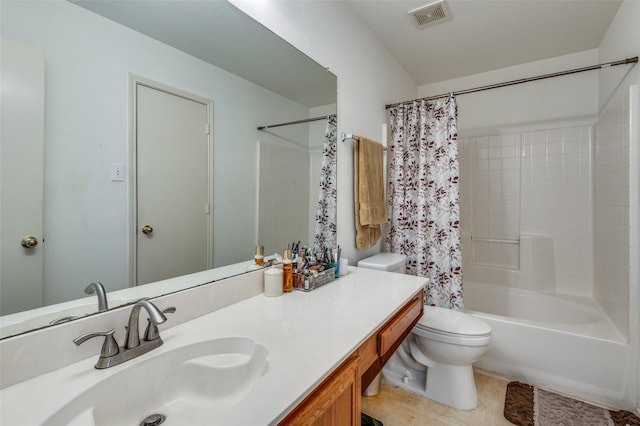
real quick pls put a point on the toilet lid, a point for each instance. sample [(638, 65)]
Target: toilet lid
[(448, 321)]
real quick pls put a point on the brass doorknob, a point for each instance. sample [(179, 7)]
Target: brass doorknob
[(147, 229), (29, 242)]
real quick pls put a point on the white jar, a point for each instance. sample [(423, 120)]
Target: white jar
[(273, 282)]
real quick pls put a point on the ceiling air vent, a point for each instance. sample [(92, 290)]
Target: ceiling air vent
[(430, 14)]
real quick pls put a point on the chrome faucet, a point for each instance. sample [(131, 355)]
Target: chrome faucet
[(97, 288), (111, 354), (155, 316)]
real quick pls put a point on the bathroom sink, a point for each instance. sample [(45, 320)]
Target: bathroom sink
[(188, 385)]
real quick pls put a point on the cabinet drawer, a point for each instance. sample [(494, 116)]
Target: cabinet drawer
[(368, 352), (395, 330)]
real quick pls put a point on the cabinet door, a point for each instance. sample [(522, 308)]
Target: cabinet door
[(336, 402)]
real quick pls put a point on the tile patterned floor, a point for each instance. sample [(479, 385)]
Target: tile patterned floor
[(396, 407)]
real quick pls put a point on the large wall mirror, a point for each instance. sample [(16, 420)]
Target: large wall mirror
[(93, 54)]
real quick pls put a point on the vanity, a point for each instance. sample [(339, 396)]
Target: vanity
[(302, 358)]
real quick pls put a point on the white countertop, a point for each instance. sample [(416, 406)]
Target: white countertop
[(307, 335)]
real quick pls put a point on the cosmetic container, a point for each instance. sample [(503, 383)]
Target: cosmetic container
[(259, 257), (273, 282), (287, 271), (344, 266)]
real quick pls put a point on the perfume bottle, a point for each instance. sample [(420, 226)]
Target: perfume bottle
[(287, 271), (259, 257)]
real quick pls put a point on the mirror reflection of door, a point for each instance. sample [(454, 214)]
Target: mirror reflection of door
[(21, 155), (172, 158)]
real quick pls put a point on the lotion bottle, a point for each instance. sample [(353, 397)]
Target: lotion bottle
[(287, 271)]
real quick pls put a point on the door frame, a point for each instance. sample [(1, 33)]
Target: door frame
[(134, 82)]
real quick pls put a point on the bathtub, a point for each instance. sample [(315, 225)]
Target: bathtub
[(563, 343)]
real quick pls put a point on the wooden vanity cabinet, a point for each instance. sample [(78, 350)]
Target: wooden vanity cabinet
[(336, 402), (376, 351)]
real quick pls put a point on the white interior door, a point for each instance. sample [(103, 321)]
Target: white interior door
[(21, 169), (172, 178)]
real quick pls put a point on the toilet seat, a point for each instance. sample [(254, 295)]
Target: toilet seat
[(453, 327), (454, 339)]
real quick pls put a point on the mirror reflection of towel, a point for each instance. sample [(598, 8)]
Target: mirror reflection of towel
[(368, 185)]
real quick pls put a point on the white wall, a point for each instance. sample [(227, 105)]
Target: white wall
[(368, 78), (551, 103), (622, 40), (88, 60)]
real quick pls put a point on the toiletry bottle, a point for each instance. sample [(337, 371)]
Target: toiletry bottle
[(287, 271), (259, 257)]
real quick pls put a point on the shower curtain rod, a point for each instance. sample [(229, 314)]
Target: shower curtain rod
[(306, 120), (522, 80)]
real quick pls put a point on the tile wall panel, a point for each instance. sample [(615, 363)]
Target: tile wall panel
[(612, 205), (538, 183)]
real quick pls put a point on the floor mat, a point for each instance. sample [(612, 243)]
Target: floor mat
[(527, 405)]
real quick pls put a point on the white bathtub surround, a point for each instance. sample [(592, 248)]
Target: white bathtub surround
[(575, 207), (565, 343), (534, 256), (535, 184), (612, 225), (307, 335)]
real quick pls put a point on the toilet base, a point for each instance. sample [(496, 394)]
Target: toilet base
[(451, 385)]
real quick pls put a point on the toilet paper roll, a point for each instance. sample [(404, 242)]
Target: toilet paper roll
[(344, 266), (273, 282)]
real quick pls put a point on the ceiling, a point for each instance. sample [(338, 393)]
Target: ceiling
[(483, 35)]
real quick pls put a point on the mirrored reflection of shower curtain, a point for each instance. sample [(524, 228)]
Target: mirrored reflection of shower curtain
[(325, 233), (423, 196)]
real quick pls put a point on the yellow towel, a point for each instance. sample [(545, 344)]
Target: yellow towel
[(370, 208)]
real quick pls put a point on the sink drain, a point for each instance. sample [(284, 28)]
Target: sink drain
[(153, 420)]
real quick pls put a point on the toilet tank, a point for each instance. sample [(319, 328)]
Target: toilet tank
[(392, 262)]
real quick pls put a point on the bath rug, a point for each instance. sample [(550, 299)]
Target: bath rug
[(526, 405)]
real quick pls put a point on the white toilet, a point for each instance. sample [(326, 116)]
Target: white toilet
[(436, 359)]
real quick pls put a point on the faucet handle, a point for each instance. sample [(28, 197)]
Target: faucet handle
[(109, 347), (152, 332)]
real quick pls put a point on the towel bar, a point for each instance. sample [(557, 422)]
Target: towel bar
[(345, 136)]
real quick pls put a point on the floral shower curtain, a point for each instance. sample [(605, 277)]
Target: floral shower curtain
[(326, 230), (423, 196)]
